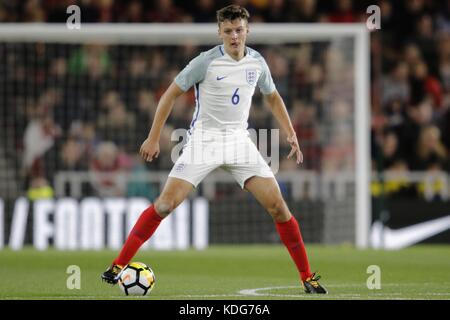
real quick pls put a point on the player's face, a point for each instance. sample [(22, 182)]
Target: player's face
[(234, 34)]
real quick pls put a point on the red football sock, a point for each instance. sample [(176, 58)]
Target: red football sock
[(145, 226), (290, 235)]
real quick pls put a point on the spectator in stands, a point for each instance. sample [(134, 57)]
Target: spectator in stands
[(430, 152), (90, 11), (9, 11), (340, 112), (394, 113), (338, 79), (39, 189), (304, 120), (79, 147), (146, 108), (166, 11), (444, 65), (411, 54), (338, 154), (406, 15), (92, 59), (137, 67), (133, 78), (107, 170), (3, 14), (39, 137), (387, 156), (56, 11), (106, 10), (134, 13), (337, 139), (204, 11), (423, 84), (316, 84), (73, 157), (57, 71), (391, 156), (303, 11), (276, 12), (395, 86), (89, 138), (164, 81), (279, 65), (443, 17), (33, 11), (302, 73), (117, 124), (424, 37), (444, 125), (387, 17), (256, 8), (416, 117), (343, 12), (158, 63)]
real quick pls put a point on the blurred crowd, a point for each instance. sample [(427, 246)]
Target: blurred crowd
[(89, 107), (198, 11)]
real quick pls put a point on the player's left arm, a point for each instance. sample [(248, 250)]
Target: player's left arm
[(278, 109)]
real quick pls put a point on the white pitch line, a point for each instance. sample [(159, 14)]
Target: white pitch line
[(259, 292), (204, 295), (390, 295), (256, 292)]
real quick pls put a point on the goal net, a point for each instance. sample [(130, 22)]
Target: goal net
[(75, 106)]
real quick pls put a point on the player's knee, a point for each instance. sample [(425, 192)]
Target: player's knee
[(164, 206), (277, 209)]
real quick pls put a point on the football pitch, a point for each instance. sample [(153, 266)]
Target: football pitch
[(234, 273)]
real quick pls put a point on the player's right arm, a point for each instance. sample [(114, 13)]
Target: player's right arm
[(193, 73), (150, 147)]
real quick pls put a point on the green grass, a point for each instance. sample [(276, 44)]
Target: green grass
[(233, 272)]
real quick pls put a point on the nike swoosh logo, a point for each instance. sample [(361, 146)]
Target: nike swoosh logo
[(220, 78), (382, 237)]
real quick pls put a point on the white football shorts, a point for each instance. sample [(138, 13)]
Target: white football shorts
[(204, 152)]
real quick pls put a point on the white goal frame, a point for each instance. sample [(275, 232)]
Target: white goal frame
[(260, 33)]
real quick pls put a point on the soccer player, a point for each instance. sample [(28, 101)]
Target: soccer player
[(225, 78)]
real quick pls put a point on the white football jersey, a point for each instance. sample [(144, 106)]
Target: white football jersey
[(224, 88)]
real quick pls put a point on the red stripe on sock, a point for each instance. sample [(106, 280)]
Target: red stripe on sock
[(144, 228), (290, 235)]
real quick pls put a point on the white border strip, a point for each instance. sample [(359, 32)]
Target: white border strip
[(174, 33), (363, 203)]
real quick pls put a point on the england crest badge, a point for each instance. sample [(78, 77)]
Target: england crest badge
[(251, 76)]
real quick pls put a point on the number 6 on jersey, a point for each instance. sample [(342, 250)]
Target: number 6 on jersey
[(235, 98)]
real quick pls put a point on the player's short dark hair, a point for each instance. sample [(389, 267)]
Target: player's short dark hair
[(231, 13)]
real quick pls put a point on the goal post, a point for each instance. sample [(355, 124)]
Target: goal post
[(260, 34)]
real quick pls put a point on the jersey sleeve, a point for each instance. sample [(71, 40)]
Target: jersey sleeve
[(193, 73), (265, 81)]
